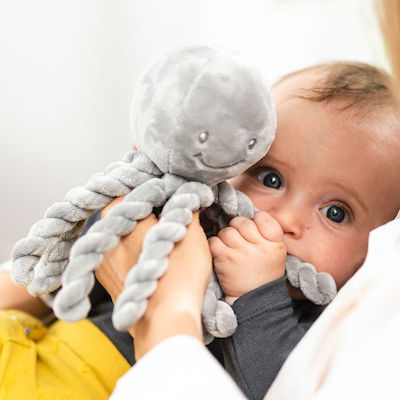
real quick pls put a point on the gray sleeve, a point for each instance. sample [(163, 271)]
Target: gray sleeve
[(268, 330)]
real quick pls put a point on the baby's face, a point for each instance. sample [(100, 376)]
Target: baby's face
[(328, 179)]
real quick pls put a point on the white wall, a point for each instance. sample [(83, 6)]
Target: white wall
[(67, 68)]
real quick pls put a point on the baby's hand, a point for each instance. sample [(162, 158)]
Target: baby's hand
[(248, 254)]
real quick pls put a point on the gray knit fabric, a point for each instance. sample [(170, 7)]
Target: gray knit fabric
[(319, 287), (39, 259)]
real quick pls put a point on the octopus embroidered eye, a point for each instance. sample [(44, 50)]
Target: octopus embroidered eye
[(203, 137), (252, 143)]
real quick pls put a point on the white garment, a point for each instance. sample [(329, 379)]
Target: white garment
[(351, 352), (177, 368)]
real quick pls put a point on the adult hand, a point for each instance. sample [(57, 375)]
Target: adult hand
[(175, 308), (117, 262), (18, 298)]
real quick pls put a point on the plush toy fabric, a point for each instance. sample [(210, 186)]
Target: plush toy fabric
[(199, 116)]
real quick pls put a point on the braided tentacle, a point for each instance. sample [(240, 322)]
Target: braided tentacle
[(219, 319), (41, 257), (72, 302), (229, 203), (141, 281), (319, 287)]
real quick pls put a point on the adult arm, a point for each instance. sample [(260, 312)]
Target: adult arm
[(352, 351), (17, 297), (175, 308), (178, 368), (173, 362)]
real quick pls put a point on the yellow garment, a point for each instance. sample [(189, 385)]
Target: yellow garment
[(64, 361)]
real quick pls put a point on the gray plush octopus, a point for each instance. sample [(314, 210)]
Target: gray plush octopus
[(200, 116)]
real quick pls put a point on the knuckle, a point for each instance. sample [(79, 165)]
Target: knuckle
[(238, 221), (214, 243), (247, 225), (227, 232)]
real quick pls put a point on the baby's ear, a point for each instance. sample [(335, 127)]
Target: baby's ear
[(134, 147)]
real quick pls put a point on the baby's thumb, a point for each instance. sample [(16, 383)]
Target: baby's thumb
[(268, 226)]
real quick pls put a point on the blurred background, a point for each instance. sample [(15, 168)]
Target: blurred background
[(68, 67)]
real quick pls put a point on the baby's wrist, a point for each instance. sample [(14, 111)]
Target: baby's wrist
[(231, 299)]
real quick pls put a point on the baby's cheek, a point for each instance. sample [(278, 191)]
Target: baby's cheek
[(342, 262), (348, 271), (245, 184)]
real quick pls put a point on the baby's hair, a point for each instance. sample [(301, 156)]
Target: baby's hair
[(356, 85)]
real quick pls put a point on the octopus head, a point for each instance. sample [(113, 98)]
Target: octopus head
[(203, 113)]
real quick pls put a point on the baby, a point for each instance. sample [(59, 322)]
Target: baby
[(331, 176)]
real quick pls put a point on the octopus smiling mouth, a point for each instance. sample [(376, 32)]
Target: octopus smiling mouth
[(199, 156)]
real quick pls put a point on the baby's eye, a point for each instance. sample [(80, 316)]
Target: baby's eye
[(270, 179), (335, 214)]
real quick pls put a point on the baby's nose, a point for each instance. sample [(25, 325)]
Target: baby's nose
[(291, 220)]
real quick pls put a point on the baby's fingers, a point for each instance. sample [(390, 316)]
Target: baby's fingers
[(231, 237), (217, 247), (247, 229), (268, 227)]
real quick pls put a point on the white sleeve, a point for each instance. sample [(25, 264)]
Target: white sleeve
[(352, 351), (180, 367)]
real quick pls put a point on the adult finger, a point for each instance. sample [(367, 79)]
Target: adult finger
[(117, 262)]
